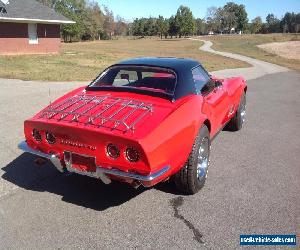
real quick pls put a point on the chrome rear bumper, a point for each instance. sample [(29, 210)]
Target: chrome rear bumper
[(52, 157), (145, 180)]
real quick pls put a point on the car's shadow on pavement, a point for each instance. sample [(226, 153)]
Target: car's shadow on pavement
[(79, 190)]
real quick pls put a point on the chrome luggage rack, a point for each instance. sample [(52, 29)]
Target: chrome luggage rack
[(102, 111)]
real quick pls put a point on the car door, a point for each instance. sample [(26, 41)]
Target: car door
[(215, 96)]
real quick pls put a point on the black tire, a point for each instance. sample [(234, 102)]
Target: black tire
[(191, 177), (236, 122)]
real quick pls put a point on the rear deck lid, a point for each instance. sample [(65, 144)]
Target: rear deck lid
[(105, 111)]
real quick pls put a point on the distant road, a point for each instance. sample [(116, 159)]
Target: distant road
[(259, 68)]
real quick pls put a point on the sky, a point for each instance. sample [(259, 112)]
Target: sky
[(130, 9)]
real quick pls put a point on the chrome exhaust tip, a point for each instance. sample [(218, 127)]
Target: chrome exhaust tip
[(135, 184)]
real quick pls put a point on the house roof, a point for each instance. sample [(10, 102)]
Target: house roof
[(30, 11)]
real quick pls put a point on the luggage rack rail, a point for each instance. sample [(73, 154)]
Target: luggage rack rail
[(102, 111)]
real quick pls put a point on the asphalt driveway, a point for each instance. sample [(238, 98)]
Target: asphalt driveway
[(253, 183)]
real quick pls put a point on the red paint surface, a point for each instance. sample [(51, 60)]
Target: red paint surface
[(163, 137)]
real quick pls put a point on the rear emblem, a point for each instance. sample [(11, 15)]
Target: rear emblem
[(77, 144)]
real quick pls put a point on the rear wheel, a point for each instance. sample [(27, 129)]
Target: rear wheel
[(236, 122), (191, 178)]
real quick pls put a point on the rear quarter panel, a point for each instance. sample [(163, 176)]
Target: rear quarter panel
[(171, 142)]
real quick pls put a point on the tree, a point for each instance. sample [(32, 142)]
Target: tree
[(235, 16), (200, 26), (256, 25), (227, 17), (270, 19), (297, 26), (224, 19), (186, 21), (129, 29), (98, 18), (86, 14), (159, 25), (150, 27), (165, 30), (120, 26), (173, 26), (162, 26), (241, 18), (138, 27), (213, 21), (291, 22), (273, 24), (109, 22), (89, 24), (72, 10)]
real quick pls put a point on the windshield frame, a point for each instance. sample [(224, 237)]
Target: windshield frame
[(131, 89)]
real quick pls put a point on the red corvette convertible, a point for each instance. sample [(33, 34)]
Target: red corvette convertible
[(141, 121)]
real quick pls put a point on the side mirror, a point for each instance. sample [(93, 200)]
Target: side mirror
[(208, 87)]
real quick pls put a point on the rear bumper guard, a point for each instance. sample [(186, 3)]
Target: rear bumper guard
[(101, 173)]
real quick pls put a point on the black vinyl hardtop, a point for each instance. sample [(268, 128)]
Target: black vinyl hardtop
[(177, 64), (181, 66)]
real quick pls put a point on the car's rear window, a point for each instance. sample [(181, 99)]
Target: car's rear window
[(137, 77)]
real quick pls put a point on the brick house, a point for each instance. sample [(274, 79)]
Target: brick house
[(29, 27)]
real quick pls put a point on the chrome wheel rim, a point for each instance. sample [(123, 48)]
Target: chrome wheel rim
[(243, 111), (203, 161)]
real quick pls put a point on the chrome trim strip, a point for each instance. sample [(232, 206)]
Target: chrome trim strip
[(142, 178), (99, 170)]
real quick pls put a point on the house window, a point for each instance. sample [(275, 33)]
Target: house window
[(32, 33)]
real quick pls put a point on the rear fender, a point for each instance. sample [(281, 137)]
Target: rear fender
[(171, 142)]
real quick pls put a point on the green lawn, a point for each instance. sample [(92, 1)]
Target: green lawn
[(84, 60)]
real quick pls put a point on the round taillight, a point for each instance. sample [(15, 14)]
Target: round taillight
[(36, 135), (132, 155), (50, 138), (112, 151)]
